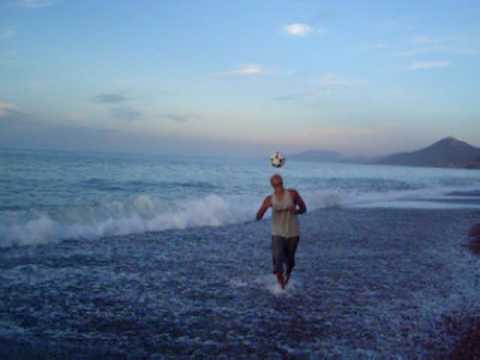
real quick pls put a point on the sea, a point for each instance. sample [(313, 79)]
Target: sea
[(135, 256), (49, 196)]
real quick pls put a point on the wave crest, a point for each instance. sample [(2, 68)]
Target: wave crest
[(141, 214)]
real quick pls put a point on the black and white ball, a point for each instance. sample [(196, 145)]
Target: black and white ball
[(277, 159)]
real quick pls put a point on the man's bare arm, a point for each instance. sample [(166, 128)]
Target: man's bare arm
[(267, 202), (302, 208)]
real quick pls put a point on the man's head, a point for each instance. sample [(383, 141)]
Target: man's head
[(276, 181)]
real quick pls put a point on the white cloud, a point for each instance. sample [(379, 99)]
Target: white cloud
[(7, 33), (298, 29), (247, 70), (34, 4), (6, 108), (428, 65)]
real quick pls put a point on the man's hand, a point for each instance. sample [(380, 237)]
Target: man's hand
[(302, 208)]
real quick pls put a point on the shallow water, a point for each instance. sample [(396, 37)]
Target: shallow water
[(368, 283)]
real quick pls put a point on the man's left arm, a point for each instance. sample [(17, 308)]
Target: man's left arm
[(300, 207)]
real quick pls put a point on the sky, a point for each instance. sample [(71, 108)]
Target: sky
[(243, 77)]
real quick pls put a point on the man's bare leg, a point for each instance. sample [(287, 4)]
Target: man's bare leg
[(281, 280)]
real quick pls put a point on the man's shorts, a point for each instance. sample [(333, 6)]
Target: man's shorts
[(283, 253)]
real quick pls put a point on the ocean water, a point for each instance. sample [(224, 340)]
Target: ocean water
[(116, 256), (48, 196)]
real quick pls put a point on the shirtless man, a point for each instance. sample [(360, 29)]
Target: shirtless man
[(286, 204)]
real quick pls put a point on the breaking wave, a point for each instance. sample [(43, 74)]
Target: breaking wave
[(141, 214), (146, 213)]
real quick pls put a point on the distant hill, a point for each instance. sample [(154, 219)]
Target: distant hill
[(318, 155), (448, 152)]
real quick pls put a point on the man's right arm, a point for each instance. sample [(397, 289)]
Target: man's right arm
[(267, 202)]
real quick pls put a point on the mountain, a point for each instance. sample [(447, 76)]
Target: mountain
[(318, 155), (448, 152)]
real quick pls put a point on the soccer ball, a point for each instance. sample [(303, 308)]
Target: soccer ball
[(277, 159)]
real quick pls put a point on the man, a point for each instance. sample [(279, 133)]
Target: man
[(286, 204)]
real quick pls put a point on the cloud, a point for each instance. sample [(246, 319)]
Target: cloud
[(120, 109), (429, 45), (327, 83), (302, 30), (110, 98), (428, 65), (6, 109), (180, 118), (34, 4), (298, 29), (126, 113), (247, 70), (7, 33), (35, 133)]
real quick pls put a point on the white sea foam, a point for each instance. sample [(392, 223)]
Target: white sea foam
[(414, 198), (270, 283), (141, 215), (144, 213)]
